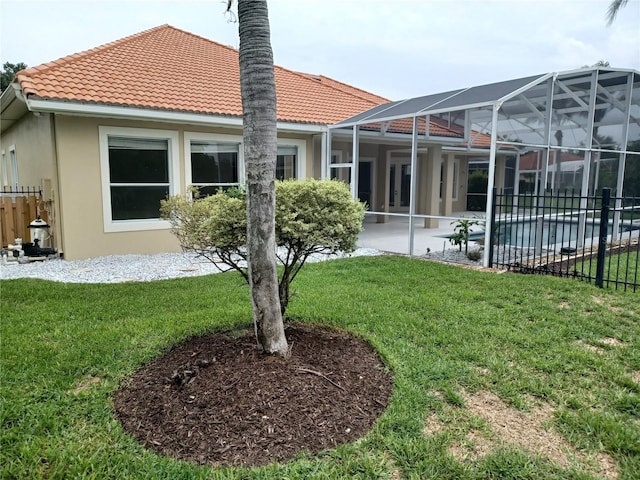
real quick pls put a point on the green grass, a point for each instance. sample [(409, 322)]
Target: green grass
[(617, 268), (441, 330)]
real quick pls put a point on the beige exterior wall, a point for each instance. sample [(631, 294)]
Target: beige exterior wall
[(81, 186), (33, 139), (35, 151)]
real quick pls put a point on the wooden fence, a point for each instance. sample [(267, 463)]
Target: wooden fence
[(17, 210)]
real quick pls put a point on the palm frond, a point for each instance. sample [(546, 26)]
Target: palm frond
[(614, 8)]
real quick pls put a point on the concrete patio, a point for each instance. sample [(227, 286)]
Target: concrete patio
[(393, 235)]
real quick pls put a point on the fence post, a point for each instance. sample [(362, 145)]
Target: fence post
[(602, 239), (492, 226)]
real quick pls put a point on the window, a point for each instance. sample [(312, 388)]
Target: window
[(214, 165), (138, 172), (14, 167), (217, 161), (286, 166), (138, 177), (5, 172), (292, 157)]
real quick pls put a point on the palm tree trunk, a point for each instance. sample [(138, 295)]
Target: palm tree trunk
[(260, 148)]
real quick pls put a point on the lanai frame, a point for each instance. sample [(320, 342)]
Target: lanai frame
[(594, 112)]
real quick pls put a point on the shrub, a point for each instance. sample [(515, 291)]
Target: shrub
[(312, 217), (474, 255), (461, 233)]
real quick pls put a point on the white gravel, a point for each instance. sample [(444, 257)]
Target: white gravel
[(129, 268), (145, 268), (452, 255)]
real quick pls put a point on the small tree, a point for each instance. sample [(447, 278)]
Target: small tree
[(461, 233), (312, 217)]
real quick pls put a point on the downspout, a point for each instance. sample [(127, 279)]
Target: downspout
[(57, 207), (55, 193)]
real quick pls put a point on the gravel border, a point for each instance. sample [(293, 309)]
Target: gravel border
[(129, 268), (147, 268)]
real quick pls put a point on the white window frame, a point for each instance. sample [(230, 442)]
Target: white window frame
[(173, 153), (301, 157), (5, 170), (212, 137), (13, 158)]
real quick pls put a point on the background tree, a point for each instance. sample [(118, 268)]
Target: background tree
[(312, 217), (9, 71), (258, 89), (614, 8)]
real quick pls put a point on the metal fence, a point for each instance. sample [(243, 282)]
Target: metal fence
[(593, 238)]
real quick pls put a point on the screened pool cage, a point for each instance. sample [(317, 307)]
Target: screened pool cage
[(430, 161)]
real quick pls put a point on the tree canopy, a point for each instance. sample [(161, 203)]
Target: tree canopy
[(9, 71), (312, 217)]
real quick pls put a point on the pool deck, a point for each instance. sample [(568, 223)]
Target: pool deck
[(393, 236)]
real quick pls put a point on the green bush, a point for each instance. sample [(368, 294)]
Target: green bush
[(312, 217), (461, 232), (474, 255)]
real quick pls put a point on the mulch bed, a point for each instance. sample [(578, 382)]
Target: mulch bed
[(217, 400)]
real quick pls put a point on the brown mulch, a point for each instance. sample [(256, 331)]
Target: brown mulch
[(217, 400)]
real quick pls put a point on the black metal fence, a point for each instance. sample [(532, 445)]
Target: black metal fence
[(593, 238)]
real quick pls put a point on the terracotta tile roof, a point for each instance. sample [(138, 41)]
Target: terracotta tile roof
[(377, 99), (170, 69)]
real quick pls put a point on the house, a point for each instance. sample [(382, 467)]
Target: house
[(109, 132)]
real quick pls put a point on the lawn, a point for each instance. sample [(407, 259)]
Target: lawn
[(495, 375), (622, 268)]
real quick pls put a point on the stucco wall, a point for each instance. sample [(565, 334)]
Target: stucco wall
[(32, 137), (34, 142), (81, 187)]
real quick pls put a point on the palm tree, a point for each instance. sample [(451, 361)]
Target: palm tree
[(257, 84), (614, 8)]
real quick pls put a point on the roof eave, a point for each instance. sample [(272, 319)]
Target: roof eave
[(12, 106), (137, 113)]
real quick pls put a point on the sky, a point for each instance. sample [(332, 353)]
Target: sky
[(394, 48)]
